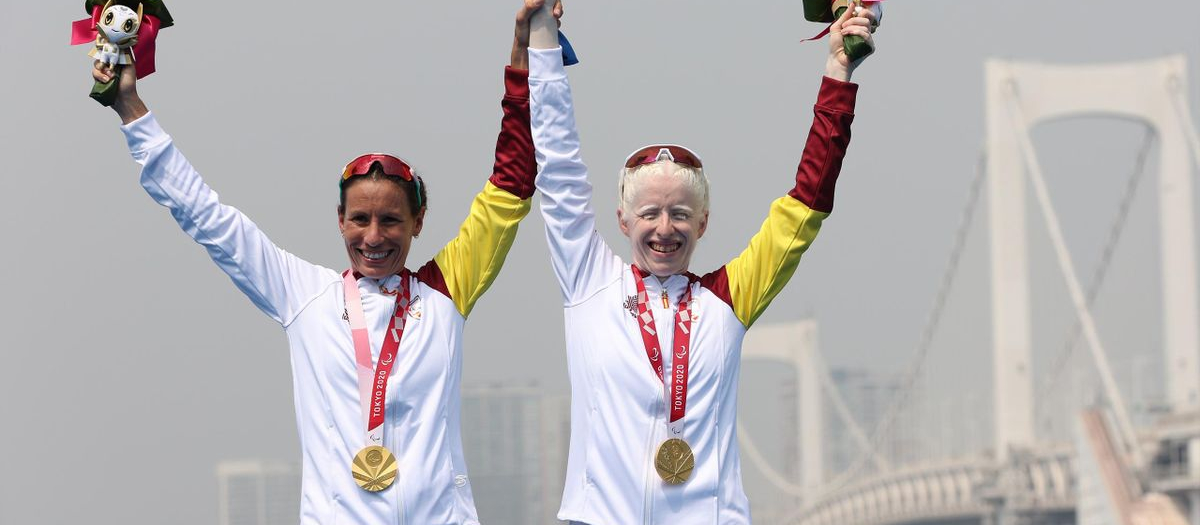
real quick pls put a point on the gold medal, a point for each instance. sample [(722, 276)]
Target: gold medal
[(674, 461), (374, 468)]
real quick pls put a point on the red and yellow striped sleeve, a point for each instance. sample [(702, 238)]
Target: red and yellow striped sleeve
[(467, 265), (751, 280)]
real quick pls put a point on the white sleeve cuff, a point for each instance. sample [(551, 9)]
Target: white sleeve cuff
[(144, 134), (546, 64)]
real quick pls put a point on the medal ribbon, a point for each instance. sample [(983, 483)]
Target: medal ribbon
[(676, 388), (372, 380)]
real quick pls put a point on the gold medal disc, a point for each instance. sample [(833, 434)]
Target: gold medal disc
[(374, 468), (674, 461)]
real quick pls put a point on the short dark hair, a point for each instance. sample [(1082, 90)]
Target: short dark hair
[(414, 190)]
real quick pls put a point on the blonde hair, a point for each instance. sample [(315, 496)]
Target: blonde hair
[(633, 179)]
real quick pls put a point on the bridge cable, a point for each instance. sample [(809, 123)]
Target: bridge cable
[(917, 363), (843, 412), (1115, 231), (1179, 101), (1067, 267), (759, 460), (968, 214)]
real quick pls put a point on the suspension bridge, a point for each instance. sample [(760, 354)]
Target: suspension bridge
[(1111, 467)]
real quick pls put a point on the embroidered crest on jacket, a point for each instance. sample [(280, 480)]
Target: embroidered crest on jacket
[(631, 305), (414, 308)]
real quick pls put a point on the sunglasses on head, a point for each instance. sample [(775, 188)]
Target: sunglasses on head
[(656, 152), (389, 165)]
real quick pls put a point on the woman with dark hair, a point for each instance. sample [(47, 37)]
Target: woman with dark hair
[(376, 350)]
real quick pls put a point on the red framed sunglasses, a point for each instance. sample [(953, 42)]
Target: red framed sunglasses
[(656, 152), (391, 166)]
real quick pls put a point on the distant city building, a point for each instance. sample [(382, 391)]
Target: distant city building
[(867, 397), (256, 492), (515, 441)]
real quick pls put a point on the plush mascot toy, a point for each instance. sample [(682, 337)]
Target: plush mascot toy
[(829, 10), (123, 32)]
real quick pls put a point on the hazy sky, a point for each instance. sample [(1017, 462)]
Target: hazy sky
[(131, 365)]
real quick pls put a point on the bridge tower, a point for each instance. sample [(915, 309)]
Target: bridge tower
[(1021, 95), (795, 344)]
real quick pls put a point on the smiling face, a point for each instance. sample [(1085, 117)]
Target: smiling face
[(664, 219), (378, 225), (119, 23)]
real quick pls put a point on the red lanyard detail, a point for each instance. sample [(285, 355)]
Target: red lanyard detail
[(375, 405), (677, 394)]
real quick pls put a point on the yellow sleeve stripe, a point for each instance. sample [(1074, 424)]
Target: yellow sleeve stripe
[(471, 261), (761, 271)]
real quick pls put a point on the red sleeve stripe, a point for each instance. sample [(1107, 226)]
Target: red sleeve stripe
[(431, 275), (717, 282), (515, 167), (827, 142)]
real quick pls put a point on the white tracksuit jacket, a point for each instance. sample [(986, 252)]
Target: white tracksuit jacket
[(422, 413), (618, 417)]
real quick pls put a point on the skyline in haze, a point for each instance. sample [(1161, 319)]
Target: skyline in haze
[(132, 365)]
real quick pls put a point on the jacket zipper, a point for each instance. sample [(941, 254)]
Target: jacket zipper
[(392, 442), (660, 407), (651, 472), (659, 419)]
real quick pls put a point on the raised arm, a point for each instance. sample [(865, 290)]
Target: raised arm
[(751, 280), (128, 104), (581, 260), (278, 283), (469, 263)]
